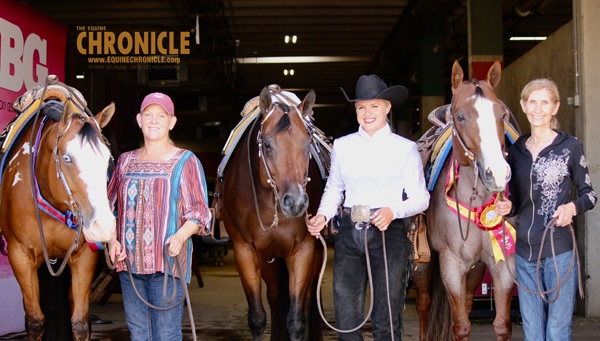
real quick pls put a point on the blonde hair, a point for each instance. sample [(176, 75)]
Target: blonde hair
[(538, 84)]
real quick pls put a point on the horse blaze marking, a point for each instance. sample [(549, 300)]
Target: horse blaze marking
[(91, 168), (490, 145)]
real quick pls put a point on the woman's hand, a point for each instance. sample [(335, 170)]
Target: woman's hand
[(564, 214), (503, 205), (176, 240), (114, 250), (317, 223), (382, 218), (176, 243)]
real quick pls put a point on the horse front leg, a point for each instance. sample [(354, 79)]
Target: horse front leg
[(474, 278), (301, 280), (82, 267), (26, 273), (503, 289), (246, 262), (422, 281), (276, 280), (454, 277)]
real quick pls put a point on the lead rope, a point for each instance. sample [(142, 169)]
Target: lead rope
[(184, 288), (370, 275), (558, 281)]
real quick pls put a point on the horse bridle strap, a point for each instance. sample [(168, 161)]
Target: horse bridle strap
[(261, 155), (275, 218), (53, 80)]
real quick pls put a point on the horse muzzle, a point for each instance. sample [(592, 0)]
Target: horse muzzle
[(495, 182), (293, 205), (100, 229)]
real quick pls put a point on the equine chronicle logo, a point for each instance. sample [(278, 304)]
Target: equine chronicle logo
[(138, 49)]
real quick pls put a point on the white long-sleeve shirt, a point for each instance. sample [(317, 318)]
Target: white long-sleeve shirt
[(374, 170)]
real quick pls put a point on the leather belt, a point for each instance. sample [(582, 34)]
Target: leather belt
[(349, 209)]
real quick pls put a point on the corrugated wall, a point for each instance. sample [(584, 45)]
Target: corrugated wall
[(552, 58)]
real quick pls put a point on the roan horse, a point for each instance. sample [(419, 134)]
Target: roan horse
[(71, 156), (478, 143), (270, 171)]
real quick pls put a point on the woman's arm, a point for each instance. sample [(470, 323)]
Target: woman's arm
[(414, 185)]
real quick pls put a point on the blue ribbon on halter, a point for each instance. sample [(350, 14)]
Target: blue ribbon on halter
[(66, 218)]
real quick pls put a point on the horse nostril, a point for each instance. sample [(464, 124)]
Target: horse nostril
[(489, 175), (287, 202)]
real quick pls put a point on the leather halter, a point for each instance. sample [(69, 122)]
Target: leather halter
[(53, 80), (261, 154), (472, 158)]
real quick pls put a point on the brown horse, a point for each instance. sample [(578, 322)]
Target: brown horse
[(269, 172), (71, 156), (477, 117)]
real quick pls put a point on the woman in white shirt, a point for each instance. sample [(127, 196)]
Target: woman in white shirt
[(372, 167)]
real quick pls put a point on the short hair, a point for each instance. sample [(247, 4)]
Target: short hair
[(538, 84)]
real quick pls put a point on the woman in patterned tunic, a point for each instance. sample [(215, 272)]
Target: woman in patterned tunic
[(158, 192), (543, 164)]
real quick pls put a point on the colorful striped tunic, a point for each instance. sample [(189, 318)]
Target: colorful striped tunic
[(152, 200)]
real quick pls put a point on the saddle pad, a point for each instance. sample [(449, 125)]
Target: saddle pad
[(319, 148), (16, 128)]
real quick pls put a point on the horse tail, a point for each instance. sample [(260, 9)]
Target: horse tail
[(440, 310), (55, 304)]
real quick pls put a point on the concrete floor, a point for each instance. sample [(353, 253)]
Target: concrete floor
[(220, 310)]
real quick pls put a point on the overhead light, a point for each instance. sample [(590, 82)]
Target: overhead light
[(287, 39), (528, 38), (294, 39), (80, 76), (302, 59), (285, 72), (291, 72)]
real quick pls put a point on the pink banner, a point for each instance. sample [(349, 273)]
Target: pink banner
[(32, 46)]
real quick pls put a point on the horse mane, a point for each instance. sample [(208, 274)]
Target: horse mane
[(478, 91), (283, 124), (89, 134)]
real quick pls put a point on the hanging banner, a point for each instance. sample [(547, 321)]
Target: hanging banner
[(32, 46)]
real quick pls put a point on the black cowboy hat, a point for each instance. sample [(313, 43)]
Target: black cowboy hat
[(372, 87)]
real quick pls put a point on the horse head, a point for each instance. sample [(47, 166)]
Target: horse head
[(478, 116), (284, 148), (81, 159)]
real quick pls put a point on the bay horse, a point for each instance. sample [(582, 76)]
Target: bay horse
[(270, 171), (477, 118), (70, 163)]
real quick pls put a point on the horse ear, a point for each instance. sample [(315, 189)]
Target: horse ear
[(308, 102), (105, 115), (265, 101), (457, 75), (493, 76), (66, 115)]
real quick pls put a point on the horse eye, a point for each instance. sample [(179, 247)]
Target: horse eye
[(460, 117), (267, 145), (66, 158)]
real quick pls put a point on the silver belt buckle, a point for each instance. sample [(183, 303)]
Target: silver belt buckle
[(360, 214)]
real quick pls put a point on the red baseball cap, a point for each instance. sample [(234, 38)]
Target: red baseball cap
[(160, 99)]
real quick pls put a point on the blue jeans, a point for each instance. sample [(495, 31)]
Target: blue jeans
[(350, 278), (145, 323), (543, 321)]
